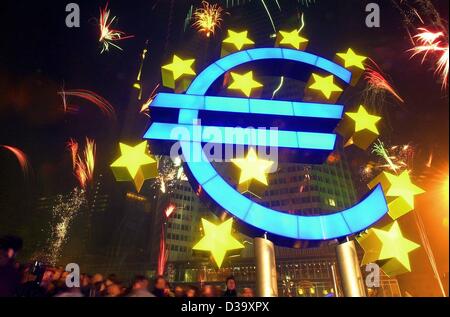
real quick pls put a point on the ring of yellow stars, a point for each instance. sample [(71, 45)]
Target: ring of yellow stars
[(389, 247), (363, 120), (180, 67), (244, 83), (399, 191), (238, 39), (218, 240), (292, 39), (135, 165), (253, 167), (352, 59), (325, 85)]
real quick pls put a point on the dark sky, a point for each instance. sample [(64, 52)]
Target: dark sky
[(39, 54)]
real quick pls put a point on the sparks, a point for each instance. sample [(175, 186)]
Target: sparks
[(20, 156), (92, 97), (377, 84), (433, 43), (208, 18), (109, 35), (169, 210), (64, 210), (146, 106), (83, 165), (380, 150)]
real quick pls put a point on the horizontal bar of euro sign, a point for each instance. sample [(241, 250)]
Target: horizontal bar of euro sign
[(250, 106), (240, 136)]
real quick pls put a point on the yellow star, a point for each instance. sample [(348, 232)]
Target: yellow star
[(245, 83), (218, 240), (292, 38), (135, 165), (388, 246), (401, 186), (363, 120), (180, 67), (252, 167), (238, 39), (352, 59), (325, 84)]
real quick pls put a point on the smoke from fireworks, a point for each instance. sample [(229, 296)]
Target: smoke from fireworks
[(20, 156), (92, 97), (83, 165), (64, 210), (435, 46), (108, 35), (208, 18)]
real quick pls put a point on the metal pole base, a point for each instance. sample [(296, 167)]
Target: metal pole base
[(350, 272), (266, 270)]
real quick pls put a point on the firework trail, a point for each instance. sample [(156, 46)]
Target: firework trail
[(146, 106), (109, 35), (306, 3), (269, 15), (20, 156), (64, 210), (83, 165), (163, 252), (278, 88), (377, 86), (208, 18), (106, 108), (436, 44)]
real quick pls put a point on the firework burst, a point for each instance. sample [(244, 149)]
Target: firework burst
[(377, 86), (208, 18), (20, 156), (396, 158), (108, 35), (103, 104), (170, 174), (83, 165), (435, 44)]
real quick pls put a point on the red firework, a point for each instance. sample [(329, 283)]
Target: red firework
[(92, 97), (20, 156)]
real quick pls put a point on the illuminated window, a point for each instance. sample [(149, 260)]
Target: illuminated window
[(331, 202)]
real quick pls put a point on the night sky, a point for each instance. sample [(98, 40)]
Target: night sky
[(40, 55)]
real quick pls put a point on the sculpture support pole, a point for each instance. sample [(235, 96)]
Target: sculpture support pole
[(266, 270), (350, 271)]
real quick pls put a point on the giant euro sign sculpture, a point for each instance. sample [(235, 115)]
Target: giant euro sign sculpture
[(307, 137)]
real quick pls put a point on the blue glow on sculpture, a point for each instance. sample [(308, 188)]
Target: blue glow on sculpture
[(323, 227)]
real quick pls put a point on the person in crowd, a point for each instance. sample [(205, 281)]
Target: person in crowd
[(114, 290), (179, 291), (192, 291), (97, 286), (207, 291), (140, 287), (85, 284), (159, 288), (9, 272), (247, 292), (231, 287)]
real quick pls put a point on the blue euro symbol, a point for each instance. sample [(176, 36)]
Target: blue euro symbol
[(258, 218)]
